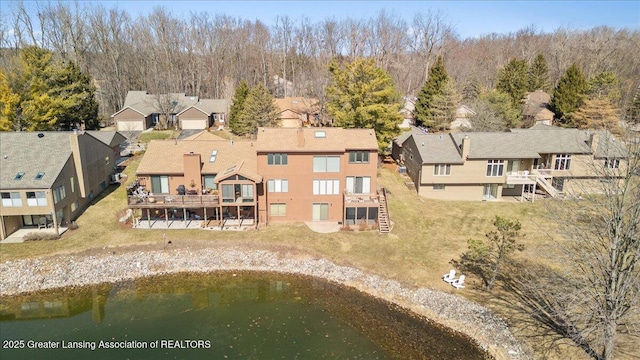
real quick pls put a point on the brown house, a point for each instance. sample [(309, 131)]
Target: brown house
[(286, 175), (204, 114), (47, 178), (536, 109), (298, 111)]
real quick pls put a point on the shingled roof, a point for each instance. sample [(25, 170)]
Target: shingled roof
[(30, 153), (323, 139)]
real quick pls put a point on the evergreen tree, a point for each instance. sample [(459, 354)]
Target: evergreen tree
[(362, 95), (634, 109), (539, 75), (52, 95), (9, 102), (569, 94), (242, 91), (512, 80), (471, 90), (423, 112), (599, 110), (444, 106), (259, 110), (605, 84)]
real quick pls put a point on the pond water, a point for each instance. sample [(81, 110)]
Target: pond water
[(220, 316)]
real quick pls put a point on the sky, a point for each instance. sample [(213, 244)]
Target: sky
[(469, 18)]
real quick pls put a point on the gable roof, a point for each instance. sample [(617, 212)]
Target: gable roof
[(496, 145), (164, 157), (547, 139), (436, 148), (335, 139), (300, 105), (400, 139), (110, 138), (146, 104), (29, 153), (209, 106)]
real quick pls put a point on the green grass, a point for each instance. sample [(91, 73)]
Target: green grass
[(145, 137)]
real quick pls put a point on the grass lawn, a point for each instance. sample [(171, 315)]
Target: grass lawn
[(145, 137), (426, 235)]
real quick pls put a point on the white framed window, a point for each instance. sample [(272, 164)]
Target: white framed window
[(495, 168), (11, 199), (441, 170), (36, 198), (358, 184), (278, 209), (438, 187), (489, 191), (612, 163), (278, 185), (563, 162), (326, 187), (326, 164), (160, 184)]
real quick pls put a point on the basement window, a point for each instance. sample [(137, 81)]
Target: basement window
[(321, 134)]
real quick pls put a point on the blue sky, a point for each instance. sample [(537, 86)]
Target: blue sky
[(469, 18)]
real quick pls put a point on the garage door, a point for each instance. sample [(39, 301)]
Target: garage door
[(130, 126), (193, 124)]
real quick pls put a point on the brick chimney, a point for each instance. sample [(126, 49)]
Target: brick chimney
[(300, 135), (192, 173)]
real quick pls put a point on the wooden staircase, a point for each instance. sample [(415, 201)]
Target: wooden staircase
[(384, 224), (546, 186)]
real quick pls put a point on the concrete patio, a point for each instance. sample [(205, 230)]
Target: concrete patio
[(17, 237)]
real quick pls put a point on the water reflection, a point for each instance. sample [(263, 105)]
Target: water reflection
[(241, 315)]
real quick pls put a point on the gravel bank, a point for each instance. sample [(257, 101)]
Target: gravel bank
[(29, 275)]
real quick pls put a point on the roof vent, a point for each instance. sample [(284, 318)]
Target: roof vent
[(422, 143), (6, 156), (40, 135)]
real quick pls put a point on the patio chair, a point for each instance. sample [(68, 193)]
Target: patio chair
[(458, 284), (450, 277), (42, 224)]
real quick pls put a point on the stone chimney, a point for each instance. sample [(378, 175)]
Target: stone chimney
[(466, 146)]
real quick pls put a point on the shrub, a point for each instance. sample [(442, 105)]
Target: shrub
[(36, 236)]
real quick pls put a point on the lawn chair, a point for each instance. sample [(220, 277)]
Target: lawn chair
[(458, 284), (42, 224), (450, 277)]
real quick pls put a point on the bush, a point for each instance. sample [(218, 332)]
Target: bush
[(36, 236)]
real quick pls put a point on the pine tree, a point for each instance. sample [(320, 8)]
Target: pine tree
[(53, 95), (569, 94), (596, 113), (605, 84), (423, 111), (444, 106), (9, 102), (259, 110), (512, 80), (362, 95), (634, 109), (242, 91), (539, 75)]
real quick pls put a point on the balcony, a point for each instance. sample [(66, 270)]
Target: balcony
[(361, 198), (181, 201), (521, 178)]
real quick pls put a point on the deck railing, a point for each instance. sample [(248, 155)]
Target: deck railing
[(360, 198), (172, 200)]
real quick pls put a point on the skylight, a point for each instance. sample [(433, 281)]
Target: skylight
[(39, 175), (18, 176), (214, 154)]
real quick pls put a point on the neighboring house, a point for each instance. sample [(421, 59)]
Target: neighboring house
[(295, 112), (463, 118), (52, 175), (204, 114), (536, 109), (396, 144), (488, 166), (407, 112), (142, 111), (285, 175)]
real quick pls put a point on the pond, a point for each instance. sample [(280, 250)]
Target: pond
[(225, 315)]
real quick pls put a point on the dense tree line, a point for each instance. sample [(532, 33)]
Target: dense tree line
[(208, 53)]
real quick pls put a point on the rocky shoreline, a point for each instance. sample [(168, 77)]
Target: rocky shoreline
[(467, 317)]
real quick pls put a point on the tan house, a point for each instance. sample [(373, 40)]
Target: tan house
[(204, 114), (295, 112), (464, 114), (143, 110), (47, 178), (285, 175), (536, 109), (489, 166)]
